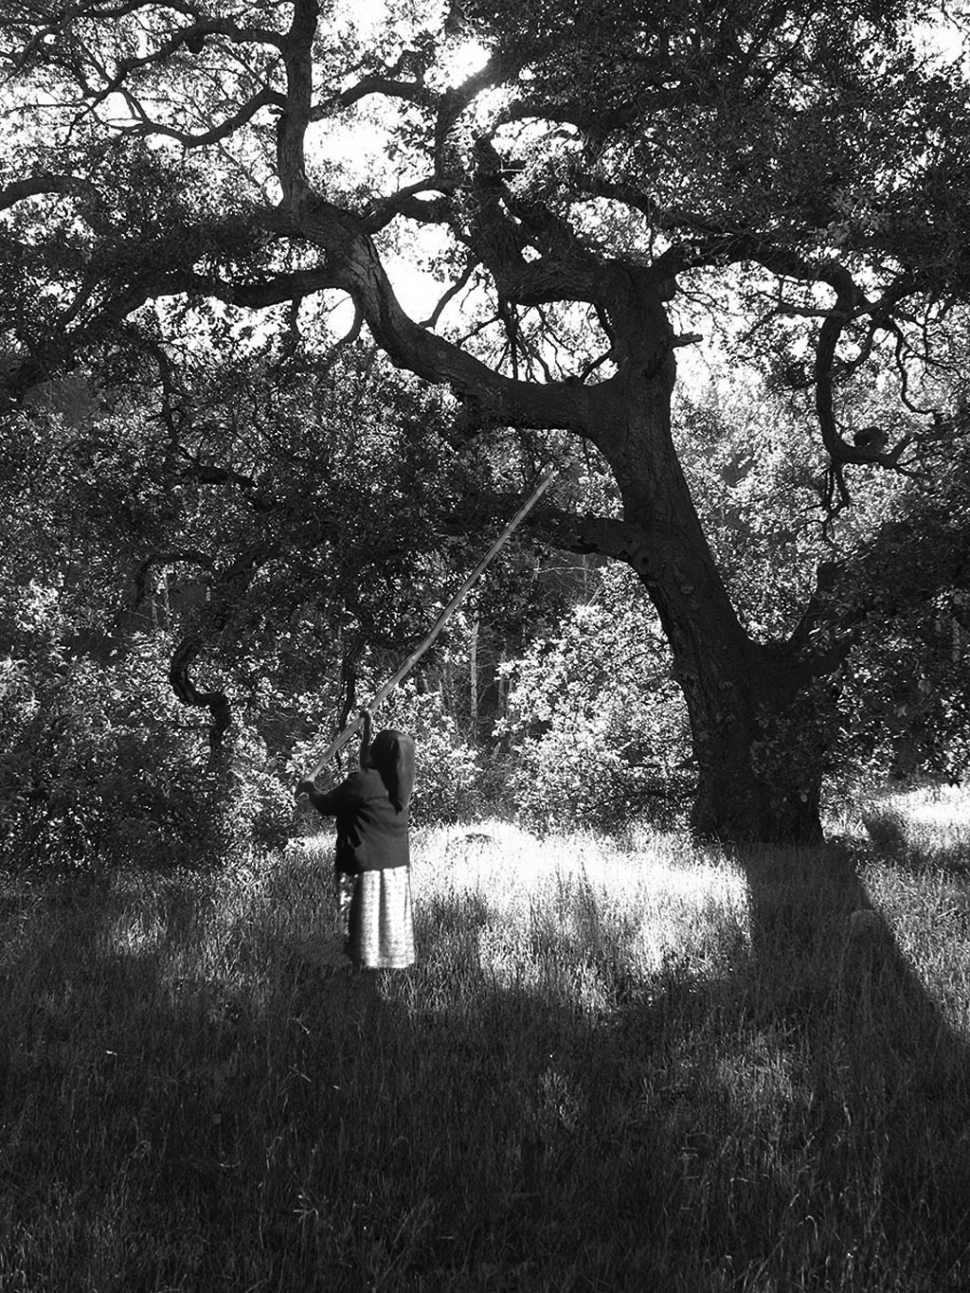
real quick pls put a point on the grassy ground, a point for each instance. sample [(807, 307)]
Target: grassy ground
[(619, 1065)]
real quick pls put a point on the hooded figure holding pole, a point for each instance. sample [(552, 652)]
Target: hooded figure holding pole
[(371, 808), (373, 848)]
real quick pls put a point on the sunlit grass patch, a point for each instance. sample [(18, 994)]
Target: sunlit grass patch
[(928, 912), (925, 826), (579, 917)]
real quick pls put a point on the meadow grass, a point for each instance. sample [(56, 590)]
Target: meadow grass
[(619, 1064), (926, 826)]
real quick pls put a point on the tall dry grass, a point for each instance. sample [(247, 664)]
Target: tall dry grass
[(619, 1064)]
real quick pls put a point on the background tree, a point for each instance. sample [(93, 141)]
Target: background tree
[(267, 539), (607, 179)]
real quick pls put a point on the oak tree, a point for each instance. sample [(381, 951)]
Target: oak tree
[(609, 185)]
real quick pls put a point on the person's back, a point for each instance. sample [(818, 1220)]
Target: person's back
[(371, 833), (371, 808)]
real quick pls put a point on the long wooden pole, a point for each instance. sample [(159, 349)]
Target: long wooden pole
[(337, 745)]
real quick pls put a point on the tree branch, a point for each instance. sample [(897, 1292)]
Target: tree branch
[(265, 98), (604, 536), (297, 47), (217, 702), (18, 190)]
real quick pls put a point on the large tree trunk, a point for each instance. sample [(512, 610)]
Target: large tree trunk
[(758, 740), (742, 696), (753, 784), (755, 737)]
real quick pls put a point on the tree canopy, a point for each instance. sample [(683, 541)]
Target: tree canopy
[(594, 190)]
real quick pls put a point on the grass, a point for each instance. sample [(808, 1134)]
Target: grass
[(621, 1064), (929, 826)]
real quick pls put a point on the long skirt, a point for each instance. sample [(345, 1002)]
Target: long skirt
[(381, 925)]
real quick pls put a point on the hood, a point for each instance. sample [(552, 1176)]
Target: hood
[(391, 754)]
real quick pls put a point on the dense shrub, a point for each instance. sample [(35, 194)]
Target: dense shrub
[(906, 703), (101, 766), (596, 732)]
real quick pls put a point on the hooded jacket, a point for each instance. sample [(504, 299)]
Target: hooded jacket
[(371, 806)]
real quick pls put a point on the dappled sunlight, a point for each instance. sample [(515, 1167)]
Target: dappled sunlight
[(269, 916), (924, 825), (942, 805), (591, 1044), (465, 58), (235, 932), (135, 933), (625, 914)]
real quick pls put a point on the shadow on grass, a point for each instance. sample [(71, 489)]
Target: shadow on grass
[(190, 1102), (885, 1074), (920, 829)]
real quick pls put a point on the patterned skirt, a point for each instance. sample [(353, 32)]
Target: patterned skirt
[(381, 925)]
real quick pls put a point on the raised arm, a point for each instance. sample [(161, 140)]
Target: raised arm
[(326, 802), (366, 738)]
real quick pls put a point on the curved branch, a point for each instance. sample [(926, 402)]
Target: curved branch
[(232, 582), (354, 265), (64, 344), (410, 91), (834, 489), (851, 303), (406, 202), (459, 285), (265, 98), (191, 37), (217, 702), (16, 192), (828, 338), (191, 556)]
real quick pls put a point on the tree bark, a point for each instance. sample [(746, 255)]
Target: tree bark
[(756, 746), (757, 751)]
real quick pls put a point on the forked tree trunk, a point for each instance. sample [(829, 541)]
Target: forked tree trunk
[(754, 784), (755, 733)]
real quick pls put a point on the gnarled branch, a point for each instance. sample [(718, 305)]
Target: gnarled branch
[(217, 702)]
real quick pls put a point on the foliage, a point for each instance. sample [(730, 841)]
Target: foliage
[(100, 767), (94, 770), (125, 542), (596, 729), (756, 481), (188, 194), (906, 707)]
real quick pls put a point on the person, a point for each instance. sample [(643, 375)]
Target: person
[(371, 808)]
